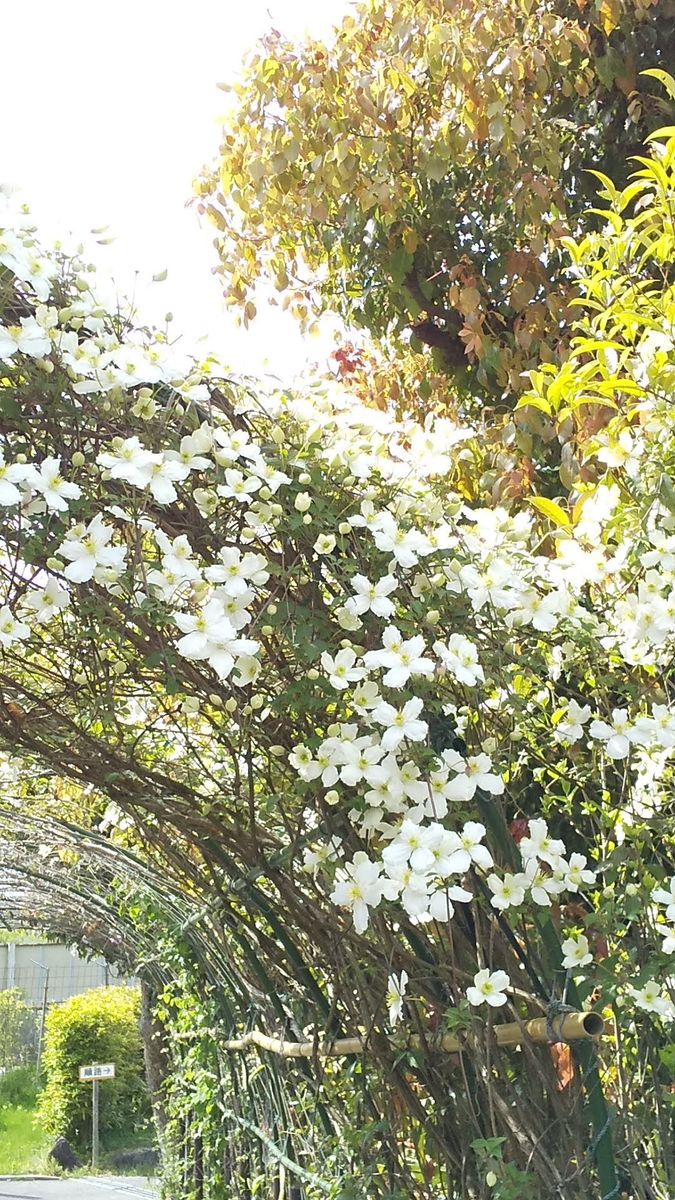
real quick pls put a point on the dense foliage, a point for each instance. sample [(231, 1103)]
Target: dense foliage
[(18, 1088), (410, 754), (16, 1029), (101, 1025), (418, 171)]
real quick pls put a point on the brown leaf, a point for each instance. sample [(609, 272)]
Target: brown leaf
[(561, 1057)]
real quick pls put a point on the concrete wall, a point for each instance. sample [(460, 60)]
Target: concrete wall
[(29, 967)]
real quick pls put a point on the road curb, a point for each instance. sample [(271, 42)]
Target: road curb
[(133, 1190)]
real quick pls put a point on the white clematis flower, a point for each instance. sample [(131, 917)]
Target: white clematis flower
[(460, 657), (402, 723), (360, 887), (11, 629), (576, 952), (488, 988), (89, 553), (396, 988), (341, 668), (617, 736), (27, 338), (372, 597), (57, 491)]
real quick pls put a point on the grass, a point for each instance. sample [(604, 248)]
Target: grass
[(23, 1145)]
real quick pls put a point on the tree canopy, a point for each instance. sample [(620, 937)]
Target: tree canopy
[(417, 173)]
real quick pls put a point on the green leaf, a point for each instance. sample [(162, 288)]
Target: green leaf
[(664, 78), (535, 402), (551, 510), (667, 493), (399, 264), (666, 131)]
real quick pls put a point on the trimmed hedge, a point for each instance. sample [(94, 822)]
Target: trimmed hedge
[(101, 1025)]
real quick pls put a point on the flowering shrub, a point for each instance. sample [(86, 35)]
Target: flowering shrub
[(419, 751)]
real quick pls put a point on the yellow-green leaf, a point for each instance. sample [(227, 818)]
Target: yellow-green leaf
[(551, 510), (664, 78)]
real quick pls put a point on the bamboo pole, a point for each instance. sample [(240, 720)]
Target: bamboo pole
[(569, 1027)]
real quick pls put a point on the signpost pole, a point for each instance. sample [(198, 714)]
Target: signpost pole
[(94, 1123), (93, 1074)]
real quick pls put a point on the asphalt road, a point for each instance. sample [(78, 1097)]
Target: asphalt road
[(101, 1188)]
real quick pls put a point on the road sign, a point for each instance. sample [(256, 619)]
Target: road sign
[(97, 1071), (93, 1074)]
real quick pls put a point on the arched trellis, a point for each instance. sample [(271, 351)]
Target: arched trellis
[(80, 885), (74, 883)]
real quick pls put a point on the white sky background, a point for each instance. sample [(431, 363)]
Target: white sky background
[(107, 113)]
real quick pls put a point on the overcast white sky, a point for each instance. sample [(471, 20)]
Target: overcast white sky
[(108, 112)]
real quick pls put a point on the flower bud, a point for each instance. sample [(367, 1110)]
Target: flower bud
[(78, 459)]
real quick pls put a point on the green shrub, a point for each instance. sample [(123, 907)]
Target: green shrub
[(18, 1088), (16, 1029), (101, 1025)]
